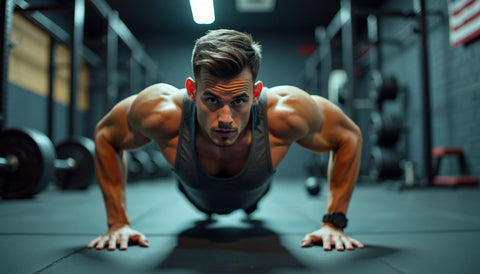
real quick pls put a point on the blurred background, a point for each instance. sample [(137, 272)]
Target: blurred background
[(402, 70)]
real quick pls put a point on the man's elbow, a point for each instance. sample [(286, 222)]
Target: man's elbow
[(99, 137), (352, 139), (100, 128), (357, 135), (102, 137)]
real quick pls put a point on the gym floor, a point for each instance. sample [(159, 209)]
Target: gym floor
[(412, 231)]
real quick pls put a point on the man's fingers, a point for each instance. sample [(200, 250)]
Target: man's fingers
[(306, 242), (112, 243), (327, 243), (331, 238), (356, 243), (348, 243), (101, 243), (123, 239), (143, 241), (94, 242), (140, 239), (309, 239), (338, 243)]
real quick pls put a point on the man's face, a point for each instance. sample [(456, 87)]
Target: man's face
[(223, 106)]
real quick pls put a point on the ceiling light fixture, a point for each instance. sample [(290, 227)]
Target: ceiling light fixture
[(255, 5), (202, 11)]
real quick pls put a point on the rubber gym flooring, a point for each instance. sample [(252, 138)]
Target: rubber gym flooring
[(414, 231)]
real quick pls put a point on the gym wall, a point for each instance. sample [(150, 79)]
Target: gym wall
[(28, 73), (454, 80)]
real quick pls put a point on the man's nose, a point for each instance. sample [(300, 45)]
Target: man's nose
[(225, 116)]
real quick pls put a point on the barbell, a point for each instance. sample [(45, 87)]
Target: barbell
[(75, 168), (28, 163)]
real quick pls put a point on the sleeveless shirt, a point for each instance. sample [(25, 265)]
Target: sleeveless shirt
[(223, 195)]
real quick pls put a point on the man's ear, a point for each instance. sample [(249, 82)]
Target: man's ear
[(190, 86), (257, 90)]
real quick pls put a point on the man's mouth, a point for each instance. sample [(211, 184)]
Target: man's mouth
[(224, 133)]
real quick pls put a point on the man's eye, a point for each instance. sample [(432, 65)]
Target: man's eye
[(239, 102), (211, 100)]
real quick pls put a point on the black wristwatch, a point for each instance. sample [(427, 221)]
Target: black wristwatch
[(338, 219)]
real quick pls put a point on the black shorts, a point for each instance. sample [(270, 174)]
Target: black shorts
[(248, 210)]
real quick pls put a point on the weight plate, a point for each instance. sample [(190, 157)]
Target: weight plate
[(382, 88), (384, 163), (384, 129), (375, 81), (35, 154), (82, 150)]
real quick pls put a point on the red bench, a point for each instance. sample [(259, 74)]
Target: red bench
[(438, 153)]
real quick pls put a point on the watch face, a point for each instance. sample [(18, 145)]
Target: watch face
[(339, 220)]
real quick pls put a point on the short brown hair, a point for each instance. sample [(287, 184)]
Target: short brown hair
[(224, 53)]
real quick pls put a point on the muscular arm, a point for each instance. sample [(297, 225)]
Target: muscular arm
[(112, 137), (343, 138), (131, 124), (318, 125)]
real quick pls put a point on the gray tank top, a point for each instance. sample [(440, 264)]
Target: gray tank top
[(223, 195)]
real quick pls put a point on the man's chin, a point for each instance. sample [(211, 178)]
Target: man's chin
[(224, 142)]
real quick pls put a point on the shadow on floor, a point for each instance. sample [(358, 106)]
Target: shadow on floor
[(203, 249)]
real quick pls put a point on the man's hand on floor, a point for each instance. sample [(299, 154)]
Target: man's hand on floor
[(121, 236), (330, 236)]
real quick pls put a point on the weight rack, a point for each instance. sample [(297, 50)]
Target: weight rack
[(344, 23)]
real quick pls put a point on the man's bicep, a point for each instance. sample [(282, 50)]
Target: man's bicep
[(335, 126), (135, 136), (116, 129)]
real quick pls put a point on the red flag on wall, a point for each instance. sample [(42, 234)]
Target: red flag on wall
[(464, 16)]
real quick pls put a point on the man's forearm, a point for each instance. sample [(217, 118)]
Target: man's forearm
[(343, 172), (111, 171)]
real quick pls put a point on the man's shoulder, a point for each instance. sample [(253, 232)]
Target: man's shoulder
[(287, 98), (158, 108), (290, 112), (161, 91), (159, 96)]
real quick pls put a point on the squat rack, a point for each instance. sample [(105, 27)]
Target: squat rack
[(116, 28)]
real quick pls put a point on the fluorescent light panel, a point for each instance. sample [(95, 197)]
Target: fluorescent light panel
[(255, 5), (202, 11)]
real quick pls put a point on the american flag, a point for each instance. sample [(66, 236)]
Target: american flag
[(464, 18)]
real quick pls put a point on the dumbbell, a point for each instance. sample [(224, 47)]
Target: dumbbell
[(312, 184), (385, 163), (28, 162), (316, 169)]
